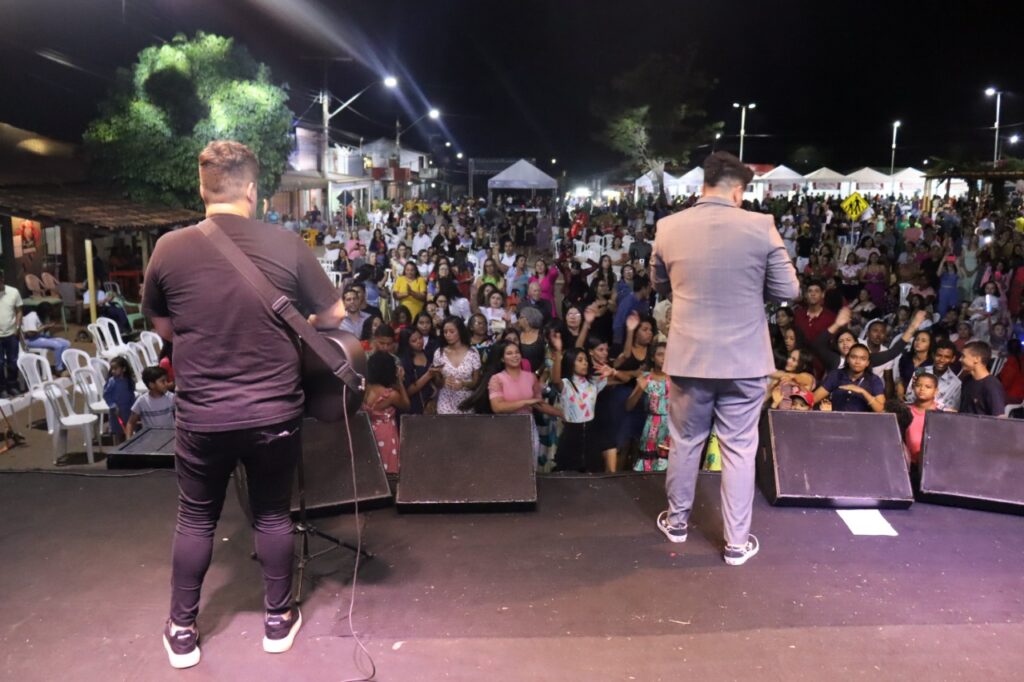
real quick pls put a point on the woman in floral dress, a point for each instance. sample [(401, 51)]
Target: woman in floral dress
[(458, 368)]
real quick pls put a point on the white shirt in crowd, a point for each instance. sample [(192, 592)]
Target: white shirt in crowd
[(421, 242)]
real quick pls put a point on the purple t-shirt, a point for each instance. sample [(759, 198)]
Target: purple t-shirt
[(236, 364)]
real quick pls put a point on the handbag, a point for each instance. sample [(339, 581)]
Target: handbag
[(333, 361)]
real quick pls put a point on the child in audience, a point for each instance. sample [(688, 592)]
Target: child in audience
[(926, 388), (155, 409), (119, 393), (980, 393), (578, 447), (385, 395), (653, 385)]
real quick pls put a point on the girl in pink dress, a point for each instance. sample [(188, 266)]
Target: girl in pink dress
[(385, 395)]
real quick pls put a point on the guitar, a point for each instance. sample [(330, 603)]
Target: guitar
[(328, 396)]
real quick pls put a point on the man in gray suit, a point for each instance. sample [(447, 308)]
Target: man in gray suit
[(718, 263)]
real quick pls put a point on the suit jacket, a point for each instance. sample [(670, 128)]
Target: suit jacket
[(721, 263)]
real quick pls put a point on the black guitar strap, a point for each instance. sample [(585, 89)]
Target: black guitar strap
[(282, 306)]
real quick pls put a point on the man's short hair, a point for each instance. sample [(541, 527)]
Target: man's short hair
[(945, 344), (814, 283), (980, 349), (927, 375), (723, 166), (640, 282), (226, 167), (151, 375)]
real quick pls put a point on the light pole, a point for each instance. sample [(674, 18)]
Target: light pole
[(743, 121), (389, 82), (433, 114), (989, 92)]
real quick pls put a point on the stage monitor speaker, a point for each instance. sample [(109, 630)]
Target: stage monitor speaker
[(832, 459), (149, 448), (466, 462), (328, 468), (973, 461)]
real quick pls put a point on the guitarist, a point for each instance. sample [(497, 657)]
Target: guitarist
[(239, 396)]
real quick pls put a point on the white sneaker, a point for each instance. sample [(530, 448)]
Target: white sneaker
[(673, 533), (737, 556)]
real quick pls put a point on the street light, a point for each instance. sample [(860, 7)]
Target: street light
[(447, 144), (714, 143), (989, 92), (743, 121), (892, 162), (459, 155), (389, 82), (554, 161), (1014, 139)]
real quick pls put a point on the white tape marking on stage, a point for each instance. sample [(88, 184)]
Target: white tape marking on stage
[(866, 522)]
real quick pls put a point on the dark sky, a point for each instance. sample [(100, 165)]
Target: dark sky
[(517, 78)]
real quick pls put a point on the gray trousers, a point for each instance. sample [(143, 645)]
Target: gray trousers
[(733, 406)]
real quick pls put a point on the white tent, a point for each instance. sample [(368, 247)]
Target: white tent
[(780, 179), (689, 182), (908, 181), (869, 179), (646, 182), (521, 175), (825, 179)]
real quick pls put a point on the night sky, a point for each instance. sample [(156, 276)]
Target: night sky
[(517, 78)]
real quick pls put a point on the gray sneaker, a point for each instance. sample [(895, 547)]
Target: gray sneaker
[(737, 556), (673, 533)]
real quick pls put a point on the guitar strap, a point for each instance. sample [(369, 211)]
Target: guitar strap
[(282, 306)]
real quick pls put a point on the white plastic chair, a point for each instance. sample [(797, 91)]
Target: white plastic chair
[(336, 278), (75, 359), (102, 369), (61, 418), (136, 357), (88, 384), (1011, 408), (36, 371), (107, 338), (153, 344)]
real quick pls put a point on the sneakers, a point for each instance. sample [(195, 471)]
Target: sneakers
[(182, 646), (674, 534), (280, 630), (737, 556)]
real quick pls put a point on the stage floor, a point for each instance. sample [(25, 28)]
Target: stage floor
[(584, 588)]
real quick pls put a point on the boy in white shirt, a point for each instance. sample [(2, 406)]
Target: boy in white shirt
[(155, 409)]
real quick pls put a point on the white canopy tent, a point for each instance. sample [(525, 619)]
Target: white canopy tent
[(646, 182), (689, 182), (779, 180), (521, 175), (908, 181), (825, 180), (868, 179)]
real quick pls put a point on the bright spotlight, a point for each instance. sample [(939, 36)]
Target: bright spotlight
[(390, 82), (447, 144), (989, 92), (896, 124), (459, 155), (554, 161), (434, 114)]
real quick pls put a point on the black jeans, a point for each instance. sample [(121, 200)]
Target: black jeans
[(9, 351), (204, 462)]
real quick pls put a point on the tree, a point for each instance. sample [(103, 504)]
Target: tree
[(653, 114), (175, 99)]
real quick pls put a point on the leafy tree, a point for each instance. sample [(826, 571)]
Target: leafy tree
[(175, 99), (653, 114)]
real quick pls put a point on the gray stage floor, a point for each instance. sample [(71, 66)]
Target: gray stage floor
[(584, 588)]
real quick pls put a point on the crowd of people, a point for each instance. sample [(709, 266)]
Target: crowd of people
[(902, 310)]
